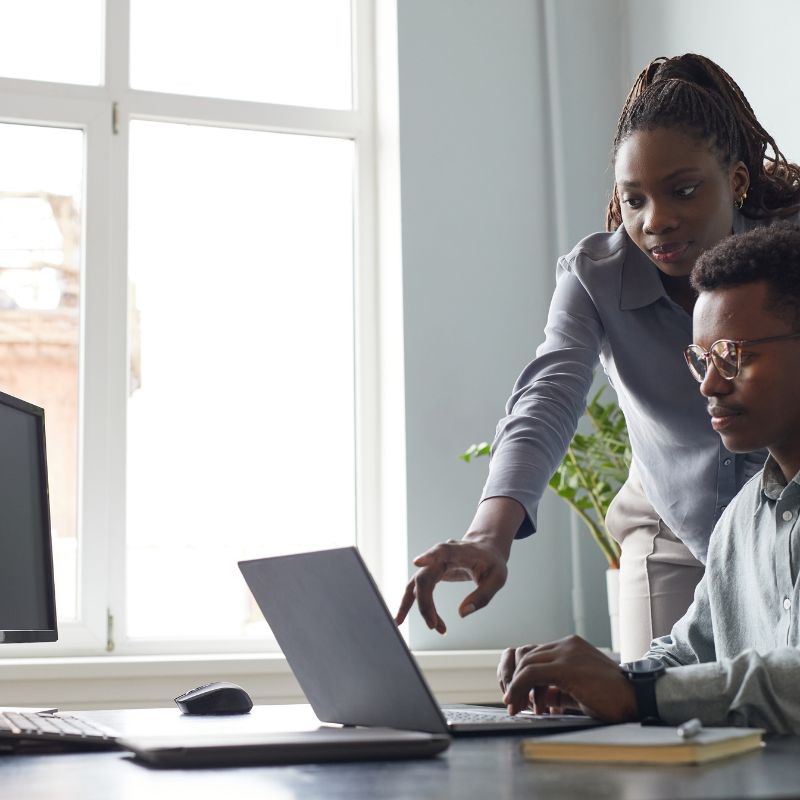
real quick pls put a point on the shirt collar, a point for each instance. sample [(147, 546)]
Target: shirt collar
[(640, 284), (773, 483)]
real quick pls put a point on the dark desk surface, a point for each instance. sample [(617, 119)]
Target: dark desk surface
[(486, 767)]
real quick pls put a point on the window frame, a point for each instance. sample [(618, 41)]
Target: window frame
[(104, 114)]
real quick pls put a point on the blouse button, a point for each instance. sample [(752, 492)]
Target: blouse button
[(787, 603), (787, 515), (726, 462)]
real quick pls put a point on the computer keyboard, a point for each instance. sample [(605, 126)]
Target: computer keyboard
[(26, 730), (461, 717)]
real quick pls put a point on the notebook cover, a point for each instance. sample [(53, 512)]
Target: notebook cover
[(637, 744)]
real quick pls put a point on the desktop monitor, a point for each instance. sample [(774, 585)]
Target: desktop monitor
[(27, 586)]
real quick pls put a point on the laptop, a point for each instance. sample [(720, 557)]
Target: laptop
[(243, 748), (349, 658)]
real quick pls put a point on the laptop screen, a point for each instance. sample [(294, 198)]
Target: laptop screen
[(27, 592), (341, 641)]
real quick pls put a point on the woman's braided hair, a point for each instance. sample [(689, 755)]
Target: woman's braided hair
[(693, 94)]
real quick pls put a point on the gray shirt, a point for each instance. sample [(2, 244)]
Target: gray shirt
[(733, 658), (610, 305)]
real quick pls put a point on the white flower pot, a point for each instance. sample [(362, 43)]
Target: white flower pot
[(612, 588)]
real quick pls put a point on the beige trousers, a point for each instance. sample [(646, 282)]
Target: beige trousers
[(658, 573)]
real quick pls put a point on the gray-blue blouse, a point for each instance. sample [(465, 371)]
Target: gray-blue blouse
[(610, 306)]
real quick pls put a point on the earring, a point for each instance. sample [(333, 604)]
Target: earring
[(739, 201)]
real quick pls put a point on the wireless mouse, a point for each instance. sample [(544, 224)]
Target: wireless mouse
[(215, 698)]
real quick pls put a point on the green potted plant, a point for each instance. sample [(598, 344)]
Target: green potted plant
[(593, 470)]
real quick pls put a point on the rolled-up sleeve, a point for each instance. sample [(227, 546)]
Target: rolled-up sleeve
[(753, 689)]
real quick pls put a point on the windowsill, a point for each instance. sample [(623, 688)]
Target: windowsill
[(82, 682)]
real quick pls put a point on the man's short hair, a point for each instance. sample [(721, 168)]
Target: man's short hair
[(770, 253)]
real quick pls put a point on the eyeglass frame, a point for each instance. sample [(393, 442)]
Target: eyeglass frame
[(709, 356)]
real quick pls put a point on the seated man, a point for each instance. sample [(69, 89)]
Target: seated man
[(734, 658)]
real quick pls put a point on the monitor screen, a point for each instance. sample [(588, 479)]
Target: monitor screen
[(27, 591)]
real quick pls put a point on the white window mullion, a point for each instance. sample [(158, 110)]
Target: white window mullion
[(117, 356), (243, 115), (101, 368), (117, 50), (385, 126), (55, 93), (367, 442)]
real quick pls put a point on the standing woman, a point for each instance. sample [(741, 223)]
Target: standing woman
[(692, 165)]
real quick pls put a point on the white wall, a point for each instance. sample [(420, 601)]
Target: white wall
[(478, 259), (753, 42), (479, 219), (586, 67)]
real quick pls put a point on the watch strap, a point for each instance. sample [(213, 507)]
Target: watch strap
[(644, 690), (643, 675)]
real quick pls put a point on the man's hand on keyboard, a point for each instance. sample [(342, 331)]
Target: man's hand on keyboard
[(567, 672)]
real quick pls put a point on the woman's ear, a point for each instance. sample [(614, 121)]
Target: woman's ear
[(740, 180)]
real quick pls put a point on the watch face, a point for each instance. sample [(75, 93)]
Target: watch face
[(644, 666)]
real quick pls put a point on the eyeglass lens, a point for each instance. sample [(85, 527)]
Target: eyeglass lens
[(724, 354)]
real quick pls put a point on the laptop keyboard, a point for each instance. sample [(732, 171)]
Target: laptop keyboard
[(462, 717), (25, 729)]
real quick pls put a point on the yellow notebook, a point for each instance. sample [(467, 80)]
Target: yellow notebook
[(633, 743)]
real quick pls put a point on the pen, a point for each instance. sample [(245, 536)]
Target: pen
[(690, 729)]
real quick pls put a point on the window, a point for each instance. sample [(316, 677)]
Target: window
[(40, 270), (185, 287)]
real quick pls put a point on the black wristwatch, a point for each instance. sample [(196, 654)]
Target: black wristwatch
[(643, 674)]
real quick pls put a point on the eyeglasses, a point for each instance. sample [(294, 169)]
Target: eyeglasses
[(726, 355)]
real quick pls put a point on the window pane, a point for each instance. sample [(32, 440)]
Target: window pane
[(240, 419), (52, 40), (41, 174), (273, 51)]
